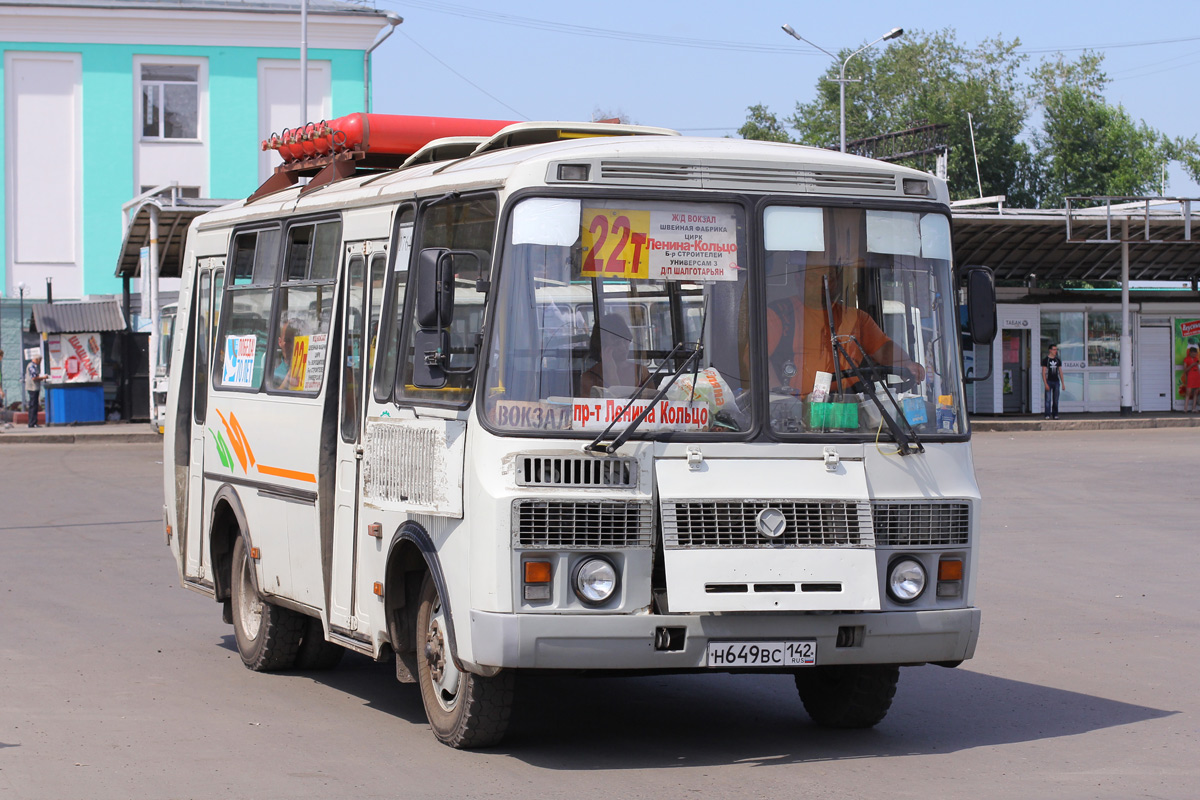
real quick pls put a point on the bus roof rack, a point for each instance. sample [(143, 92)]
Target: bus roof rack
[(447, 148), (526, 133), (332, 150)]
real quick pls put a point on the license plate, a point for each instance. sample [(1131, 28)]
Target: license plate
[(762, 654)]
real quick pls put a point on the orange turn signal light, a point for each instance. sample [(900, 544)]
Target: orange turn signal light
[(537, 571), (254, 553), (950, 570), (378, 589)]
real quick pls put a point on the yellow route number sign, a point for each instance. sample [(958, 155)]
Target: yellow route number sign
[(614, 243)]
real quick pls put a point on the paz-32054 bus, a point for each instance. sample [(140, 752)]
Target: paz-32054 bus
[(579, 397)]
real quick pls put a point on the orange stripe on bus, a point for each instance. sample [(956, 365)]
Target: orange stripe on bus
[(242, 435), (307, 477)]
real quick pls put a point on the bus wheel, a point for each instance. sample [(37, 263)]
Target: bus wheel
[(315, 652), (268, 637), (853, 696), (464, 709)]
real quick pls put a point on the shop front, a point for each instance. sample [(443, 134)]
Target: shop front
[(1088, 336)]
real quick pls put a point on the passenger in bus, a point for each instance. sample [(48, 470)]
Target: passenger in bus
[(610, 345), (798, 345), (283, 377)]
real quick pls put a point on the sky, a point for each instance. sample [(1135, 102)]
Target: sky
[(696, 66)]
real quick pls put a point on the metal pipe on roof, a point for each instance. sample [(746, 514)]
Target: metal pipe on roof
[(393, 20)]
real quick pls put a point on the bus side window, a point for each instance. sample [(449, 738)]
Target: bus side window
[(378, 277), (392, 312), (352, 348), (240, 350), (203, 334), (305, 308), (466, 225)]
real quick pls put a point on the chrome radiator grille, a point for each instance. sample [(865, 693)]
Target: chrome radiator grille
[(583, 471), (899, 524), (733, 523), (592, 524)]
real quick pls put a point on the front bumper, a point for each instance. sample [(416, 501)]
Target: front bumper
[(626, 641)]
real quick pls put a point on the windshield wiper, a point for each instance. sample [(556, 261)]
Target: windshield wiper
[(624, 435), (903, 442), (903, 445)]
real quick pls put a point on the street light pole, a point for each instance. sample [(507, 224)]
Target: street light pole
[(894, 33)]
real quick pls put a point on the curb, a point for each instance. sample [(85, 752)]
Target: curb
[(73, 438), (1124, 423)]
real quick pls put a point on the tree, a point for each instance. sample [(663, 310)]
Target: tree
[(1092, 148), (932, 79), (761, 124), (1080, 145)]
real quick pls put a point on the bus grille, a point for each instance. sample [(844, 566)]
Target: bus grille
[(575, 524), (900, 524), (606, 473), (734, 523)]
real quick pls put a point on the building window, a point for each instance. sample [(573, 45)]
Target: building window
[(170, 101)]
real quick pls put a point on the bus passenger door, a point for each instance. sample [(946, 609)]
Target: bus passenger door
[(366, 263), (197, 502)]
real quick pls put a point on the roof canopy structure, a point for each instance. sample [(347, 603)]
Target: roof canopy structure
[(92, 316), (1074, 244), (174, 215)]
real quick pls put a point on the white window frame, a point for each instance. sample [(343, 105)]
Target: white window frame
[(201, 95)]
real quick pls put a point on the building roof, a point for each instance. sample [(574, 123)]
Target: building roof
[(257, 6), (1084, 245), (90, 316)]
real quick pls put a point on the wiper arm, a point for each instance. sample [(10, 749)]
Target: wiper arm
[(905, 446), (624, 435)]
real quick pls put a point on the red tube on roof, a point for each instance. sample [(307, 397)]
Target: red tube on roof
[(389, 134)]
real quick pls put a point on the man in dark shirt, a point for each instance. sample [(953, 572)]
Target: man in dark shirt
[(1052, 380)]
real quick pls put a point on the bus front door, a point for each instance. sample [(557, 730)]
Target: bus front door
[(197, 507), (365, 268)]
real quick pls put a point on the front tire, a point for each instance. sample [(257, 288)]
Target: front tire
[(268, 637), (853, 696), (464, 710)]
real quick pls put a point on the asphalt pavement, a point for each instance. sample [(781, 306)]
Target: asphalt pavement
[(117, 683)]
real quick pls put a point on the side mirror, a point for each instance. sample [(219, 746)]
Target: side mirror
[(981, 305), (435, 288), (431, 352)]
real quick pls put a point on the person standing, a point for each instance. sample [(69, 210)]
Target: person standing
[(1191, 380), (33, 384), (1052, 380)]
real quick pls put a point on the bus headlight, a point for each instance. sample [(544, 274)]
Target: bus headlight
[(906, 580), (594, 580)]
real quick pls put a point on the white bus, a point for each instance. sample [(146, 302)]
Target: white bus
[(582, 402)]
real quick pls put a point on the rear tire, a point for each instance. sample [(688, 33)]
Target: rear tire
[(853, 696), (315, 652), (464, 710), (268, 637)]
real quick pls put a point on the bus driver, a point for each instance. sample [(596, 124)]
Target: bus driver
[(798, 336)]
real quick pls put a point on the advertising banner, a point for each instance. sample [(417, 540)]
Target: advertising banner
[(74, 357), (1187, 336)]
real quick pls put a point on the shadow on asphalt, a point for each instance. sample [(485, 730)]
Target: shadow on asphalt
[(585, 722)]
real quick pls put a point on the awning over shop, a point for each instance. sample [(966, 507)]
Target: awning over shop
[(174, 215), (1018, 243), (91, 316)]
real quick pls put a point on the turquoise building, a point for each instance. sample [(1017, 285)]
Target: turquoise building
[(103, 100)]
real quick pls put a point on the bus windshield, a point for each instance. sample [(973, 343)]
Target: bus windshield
[(860, 321), (601, 300)]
